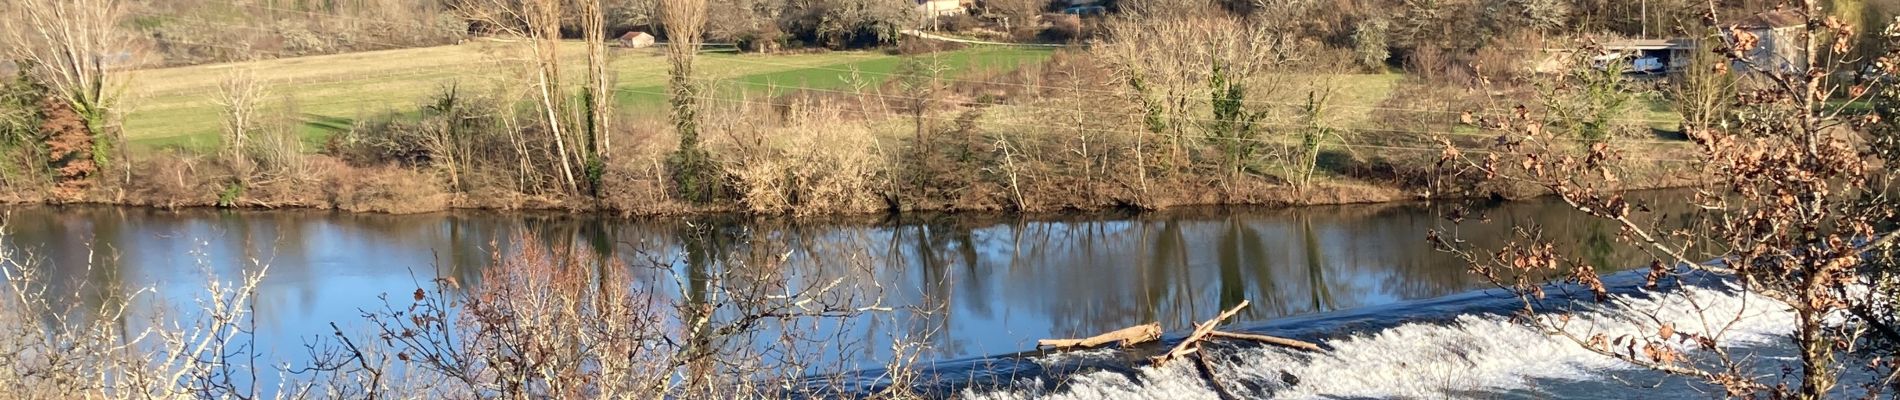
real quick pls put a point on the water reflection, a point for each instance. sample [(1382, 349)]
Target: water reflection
[(996, 284)]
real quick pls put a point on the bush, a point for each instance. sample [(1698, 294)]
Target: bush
[(1061, 27), (767, 39), (1369, 43), (1509, 58), (451, 122), (842, 24), (958, 23), (393, 190), (926, 46), (23, 167), (1437, 65), (818, 162), (172, 180)]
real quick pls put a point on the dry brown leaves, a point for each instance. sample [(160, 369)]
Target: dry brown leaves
[(69, 149)]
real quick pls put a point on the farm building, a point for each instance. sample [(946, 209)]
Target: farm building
[(941, 8), (1654, 57), (1778, 45), (636, 40), (1651, 56)]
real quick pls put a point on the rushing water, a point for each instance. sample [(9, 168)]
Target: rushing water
[(997, 284)]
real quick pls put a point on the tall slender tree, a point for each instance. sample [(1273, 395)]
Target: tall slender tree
[(599, 92), (685, 23)]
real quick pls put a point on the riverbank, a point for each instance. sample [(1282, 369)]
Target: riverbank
[(933, 130), (175, 181)]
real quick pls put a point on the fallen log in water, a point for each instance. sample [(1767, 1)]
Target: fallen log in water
[(1193, 342), (1272, 340), (1205, 331), (1129, 336)]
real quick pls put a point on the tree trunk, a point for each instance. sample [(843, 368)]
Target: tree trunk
[(600, 103), (547, 20)]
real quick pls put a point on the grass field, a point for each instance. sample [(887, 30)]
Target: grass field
[(176, 107), (1352, 98)]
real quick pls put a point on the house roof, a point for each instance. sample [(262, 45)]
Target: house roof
[(1773, 20), (1650, 44)]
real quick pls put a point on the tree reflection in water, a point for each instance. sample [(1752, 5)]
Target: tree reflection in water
[(975, 285)]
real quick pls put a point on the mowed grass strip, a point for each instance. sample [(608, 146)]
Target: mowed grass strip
[(177, 107)]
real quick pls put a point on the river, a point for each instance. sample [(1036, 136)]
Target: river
[(994, 284)]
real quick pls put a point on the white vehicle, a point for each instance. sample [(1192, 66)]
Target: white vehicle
[(1647, 65), (1636, 63)]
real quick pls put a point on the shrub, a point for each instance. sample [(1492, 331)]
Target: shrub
[(926, 46), (766, 39), (958, 23), (23, 167), (386, 189), (1061, 27), (456, 134), (1021, 11), (848, 23), (19, 109), (69, 149), (1593, 104), (1369, 43), (1438, 65), (817, 162), (1509, 57), (173, 179)]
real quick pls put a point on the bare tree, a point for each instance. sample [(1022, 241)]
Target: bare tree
[(240, 94), (1789, 214), (539, 22), (1172, 54), (74, 47), (1702, 92)]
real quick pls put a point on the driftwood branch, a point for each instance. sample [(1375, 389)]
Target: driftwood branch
[(1205, 331), (1191, 345), (1129, 336), (1193, 341), (1276, 341), (1213, 380)]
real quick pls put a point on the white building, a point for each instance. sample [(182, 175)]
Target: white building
[(636, 40), (940, 8)]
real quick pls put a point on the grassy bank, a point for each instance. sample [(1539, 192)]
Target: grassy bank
[(961, 129), (176, 107)]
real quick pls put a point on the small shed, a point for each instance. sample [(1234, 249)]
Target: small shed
[(940, 8), (1653, 56), (1777, 42), (635, 40)]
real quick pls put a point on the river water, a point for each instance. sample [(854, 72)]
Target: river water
[(995, 284)]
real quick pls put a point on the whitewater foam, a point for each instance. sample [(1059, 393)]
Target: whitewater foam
[(1470, 355)]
